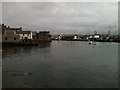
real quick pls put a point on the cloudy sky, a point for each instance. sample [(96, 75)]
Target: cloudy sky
[(62, 17)]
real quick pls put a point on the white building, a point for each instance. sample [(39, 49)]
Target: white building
[(59, 37), (75, 37), (25, 34), (96, 36)]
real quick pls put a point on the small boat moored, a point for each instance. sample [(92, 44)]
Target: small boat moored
[(91, 42)]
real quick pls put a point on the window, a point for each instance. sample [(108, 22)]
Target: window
[(5, 38), (25, 37), (23, 34), (14, 38)]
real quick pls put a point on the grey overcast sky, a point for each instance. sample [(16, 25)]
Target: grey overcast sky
[(62, 17)]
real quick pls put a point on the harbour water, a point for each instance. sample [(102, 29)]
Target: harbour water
[(61, 64)]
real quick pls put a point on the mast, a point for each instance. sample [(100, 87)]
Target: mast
[(115, 30), (109, 30)]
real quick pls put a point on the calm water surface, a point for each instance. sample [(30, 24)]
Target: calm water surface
[(61, 64)]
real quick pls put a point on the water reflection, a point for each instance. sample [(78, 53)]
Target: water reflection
[(16, 50)]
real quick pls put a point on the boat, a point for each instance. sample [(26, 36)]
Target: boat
[(92, 42)]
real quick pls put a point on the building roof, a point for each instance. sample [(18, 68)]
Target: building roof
[(23, 32), (14, 28), (44, 32)]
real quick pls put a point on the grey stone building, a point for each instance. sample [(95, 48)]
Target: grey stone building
[(9, 34)]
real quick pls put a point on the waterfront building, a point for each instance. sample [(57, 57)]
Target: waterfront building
[(59, 37), (96, 36), (76, 37), (34, 38), (25, 34), (43, 36), (67, 37), (9, 30), (16, 35), (25, 37), (34, 35), (10, 36)]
